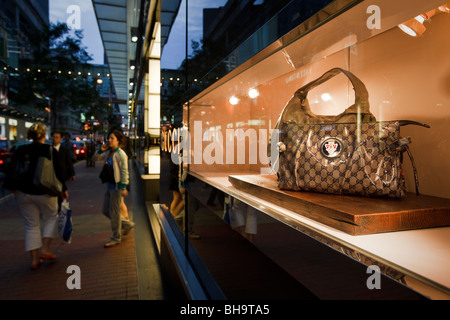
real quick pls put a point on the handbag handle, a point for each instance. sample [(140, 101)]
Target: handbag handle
[(298, 107), (361, 94), (51, 153)]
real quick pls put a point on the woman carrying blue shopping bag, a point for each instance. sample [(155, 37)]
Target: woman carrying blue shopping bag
[(38, 207)]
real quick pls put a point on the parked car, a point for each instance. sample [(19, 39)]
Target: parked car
[(4, 145), (6, 157), (80, 149)]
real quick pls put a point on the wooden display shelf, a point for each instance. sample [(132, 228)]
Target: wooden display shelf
[(354, 215)]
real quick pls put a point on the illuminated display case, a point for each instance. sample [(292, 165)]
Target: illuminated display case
[(400, 52), (405, 76)]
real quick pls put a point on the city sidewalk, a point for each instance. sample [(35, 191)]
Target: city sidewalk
[(105, 273)]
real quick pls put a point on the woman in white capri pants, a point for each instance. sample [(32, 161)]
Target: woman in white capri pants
[(35, 204)]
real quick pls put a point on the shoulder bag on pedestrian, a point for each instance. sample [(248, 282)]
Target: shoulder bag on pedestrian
[(107, 174), (45, 177)]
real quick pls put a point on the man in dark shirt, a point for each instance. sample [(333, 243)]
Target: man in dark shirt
[(62, 161), (69, 145), (62, 157)]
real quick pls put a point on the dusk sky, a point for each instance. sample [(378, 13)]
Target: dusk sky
[(91, 39), (173, 52)]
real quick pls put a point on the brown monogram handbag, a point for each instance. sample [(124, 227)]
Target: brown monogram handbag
[(350, 153)]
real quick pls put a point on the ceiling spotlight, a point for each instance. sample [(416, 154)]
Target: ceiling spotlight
[(132, 64), (234, 100), (134, 34), (445, 8), (253, 93), (415, 27)]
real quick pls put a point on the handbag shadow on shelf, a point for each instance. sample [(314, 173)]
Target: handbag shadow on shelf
[(351, 153), (45, 177)]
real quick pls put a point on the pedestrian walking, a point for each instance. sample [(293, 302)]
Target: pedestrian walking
[(115, 174), (90, 153), (63, 161), (126, 146), (177, 188), (69, 145), (34, 203)]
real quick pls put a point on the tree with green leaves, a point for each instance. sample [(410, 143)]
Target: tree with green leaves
[(50, 79)]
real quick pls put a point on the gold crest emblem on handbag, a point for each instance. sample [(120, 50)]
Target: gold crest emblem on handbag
[(350, 153)]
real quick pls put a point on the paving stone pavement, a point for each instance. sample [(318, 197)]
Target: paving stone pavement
[(105, 273)]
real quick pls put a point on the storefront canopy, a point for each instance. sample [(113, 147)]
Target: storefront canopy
[(116, 20)]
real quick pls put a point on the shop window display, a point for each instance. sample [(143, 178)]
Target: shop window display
[(391, 63), (400, 54)]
